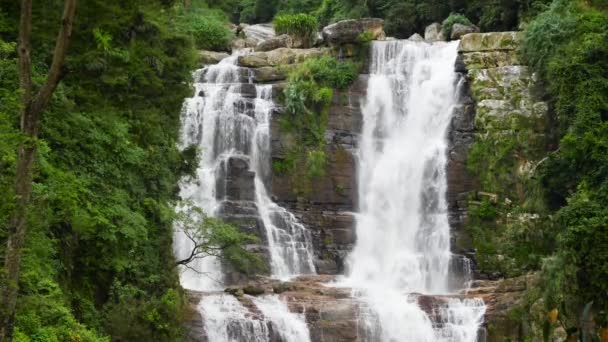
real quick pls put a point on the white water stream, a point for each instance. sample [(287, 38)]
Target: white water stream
[(403, 235), (228, 118), (227, 320)]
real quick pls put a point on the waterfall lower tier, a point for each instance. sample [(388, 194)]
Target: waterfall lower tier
[(226, 319)]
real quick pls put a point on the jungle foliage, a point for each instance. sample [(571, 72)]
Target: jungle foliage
[(98, 262), (556, 221), (403, 17)]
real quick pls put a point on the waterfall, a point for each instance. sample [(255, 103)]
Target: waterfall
[(227, 320), (228, 120), (403, 235)]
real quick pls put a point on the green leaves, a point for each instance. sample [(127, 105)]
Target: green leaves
[(307, 99), (302, 26), (207, 27), (215, 237)]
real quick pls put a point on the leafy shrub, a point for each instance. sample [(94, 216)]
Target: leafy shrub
[(303, 26), (207, 27), (547, 32), (453, 18)]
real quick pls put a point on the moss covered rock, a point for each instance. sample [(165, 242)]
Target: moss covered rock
[(490, 41)]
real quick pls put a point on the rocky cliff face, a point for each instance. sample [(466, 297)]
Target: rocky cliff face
[(327, 206), (496, 89)]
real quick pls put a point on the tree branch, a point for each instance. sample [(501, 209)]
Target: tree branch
[(61, 47), (25, 62)]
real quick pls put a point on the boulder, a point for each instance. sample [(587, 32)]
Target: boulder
[(243, 43), (280, 56), (211, 57), (348, 31), (459, 30), (433, 33), (282, 41), (490, 41), (258, 32), (416, 38), (270, 74)]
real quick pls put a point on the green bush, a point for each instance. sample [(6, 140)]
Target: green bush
[(207, 27), (546, 33), (302, 26), (453, 18)]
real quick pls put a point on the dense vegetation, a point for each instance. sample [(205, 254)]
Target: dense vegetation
[(403, 17), (98, 262), (557, 221)]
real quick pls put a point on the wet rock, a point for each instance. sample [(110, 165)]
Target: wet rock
[(253, 290), (243, 43), (283, 287), (348, 31), (459, 30), (258, 32), (280, 56), (433, 33), (235, 291), (211, 57), (282, 41), (416, 38), (325, 208), (238, 181), (501, 297)]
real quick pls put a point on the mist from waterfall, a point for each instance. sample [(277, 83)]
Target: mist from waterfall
[(403, 235)]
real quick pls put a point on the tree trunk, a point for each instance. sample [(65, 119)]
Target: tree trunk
[(31, 114)]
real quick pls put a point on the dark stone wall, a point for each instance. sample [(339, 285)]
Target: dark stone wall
[(327, 206)]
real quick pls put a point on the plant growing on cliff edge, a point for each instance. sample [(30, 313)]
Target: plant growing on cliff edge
[(212, 237), (453, 18), (302, 26), (307, 99)]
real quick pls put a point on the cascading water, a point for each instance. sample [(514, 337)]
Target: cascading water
[(403, 237), (228, 120), (227, 320), (224, 122)]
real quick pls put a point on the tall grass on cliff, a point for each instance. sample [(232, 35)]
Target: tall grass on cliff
[(303, 26)]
